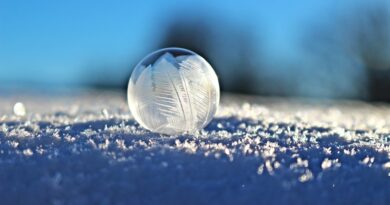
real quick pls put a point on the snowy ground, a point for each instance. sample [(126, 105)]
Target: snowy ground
[(86, 149)]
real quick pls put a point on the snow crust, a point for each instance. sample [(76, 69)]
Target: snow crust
[(86, 148)]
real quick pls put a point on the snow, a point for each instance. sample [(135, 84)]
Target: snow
[(85, 148)]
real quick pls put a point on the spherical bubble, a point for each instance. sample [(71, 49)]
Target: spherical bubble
[(173, 91)]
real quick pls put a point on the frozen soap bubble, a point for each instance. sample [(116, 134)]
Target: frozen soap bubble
[(173, 91)]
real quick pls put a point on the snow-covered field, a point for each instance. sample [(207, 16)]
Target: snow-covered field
[(85, 148)]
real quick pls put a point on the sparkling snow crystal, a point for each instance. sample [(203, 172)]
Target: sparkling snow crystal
[(87, 149)]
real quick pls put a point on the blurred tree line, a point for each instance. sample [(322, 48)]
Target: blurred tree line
[(347, 55)]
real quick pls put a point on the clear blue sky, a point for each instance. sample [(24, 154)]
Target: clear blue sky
[(59, 42)]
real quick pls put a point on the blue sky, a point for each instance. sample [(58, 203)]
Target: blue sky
[(59, 42)]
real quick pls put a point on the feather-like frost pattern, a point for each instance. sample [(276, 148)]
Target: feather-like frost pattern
[(174, 95)]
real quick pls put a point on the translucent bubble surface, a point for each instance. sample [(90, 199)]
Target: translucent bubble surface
[(173, 91)]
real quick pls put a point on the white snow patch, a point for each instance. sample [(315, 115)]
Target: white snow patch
[(89, 147)]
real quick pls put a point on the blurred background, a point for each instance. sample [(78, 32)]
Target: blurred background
[(321, 49)]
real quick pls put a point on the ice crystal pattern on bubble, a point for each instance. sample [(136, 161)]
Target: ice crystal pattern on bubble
[(175, 94)]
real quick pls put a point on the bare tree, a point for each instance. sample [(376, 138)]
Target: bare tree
[(229, 48), (352, 52)]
